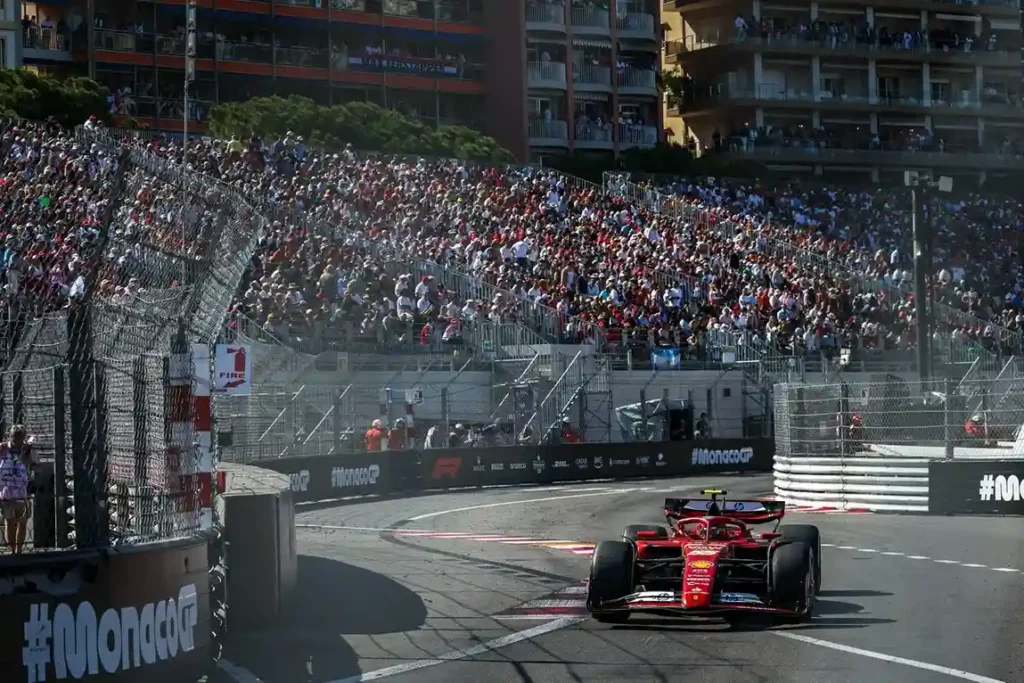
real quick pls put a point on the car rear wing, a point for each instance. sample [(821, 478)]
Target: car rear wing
[(755, 511)]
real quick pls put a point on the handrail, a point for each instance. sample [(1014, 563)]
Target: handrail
[(291, 404)]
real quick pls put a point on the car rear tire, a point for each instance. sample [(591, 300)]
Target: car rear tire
[(809, 534), (611, 577), (792, 584), (629, 533)]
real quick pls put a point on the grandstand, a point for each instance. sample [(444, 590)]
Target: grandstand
[(401, 268)]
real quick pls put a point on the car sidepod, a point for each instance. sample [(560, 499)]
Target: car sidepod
[(611, 578), (791, 583)]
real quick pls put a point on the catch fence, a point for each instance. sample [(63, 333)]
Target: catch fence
[(97, 369), (981, 418)]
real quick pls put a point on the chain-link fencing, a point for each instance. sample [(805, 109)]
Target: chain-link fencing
[(946, 419), (144, 268)]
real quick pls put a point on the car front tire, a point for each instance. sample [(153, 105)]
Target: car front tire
[(611, 577)]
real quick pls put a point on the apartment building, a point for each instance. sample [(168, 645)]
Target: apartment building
[(592, 75), (865, 89)]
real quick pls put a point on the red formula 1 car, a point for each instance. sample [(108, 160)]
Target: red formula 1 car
[(707, 562)]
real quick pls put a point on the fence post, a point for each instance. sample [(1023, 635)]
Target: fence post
[(643, 416), (336, 422), (18, 397), (947, 419), (59, 458), (3, 403), (140, 405), (89, 482), (446, 412)]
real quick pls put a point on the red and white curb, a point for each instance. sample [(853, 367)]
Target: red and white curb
[(584, 548)]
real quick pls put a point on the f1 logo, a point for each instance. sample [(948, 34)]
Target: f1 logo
[(447, 468)]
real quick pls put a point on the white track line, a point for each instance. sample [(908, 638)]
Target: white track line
[(456, 655), (925, 666), (527, 501)]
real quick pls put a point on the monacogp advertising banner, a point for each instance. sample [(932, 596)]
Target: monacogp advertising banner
[(137, 614)]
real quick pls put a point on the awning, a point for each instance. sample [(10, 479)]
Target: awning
[(592, 42), (591, 96)]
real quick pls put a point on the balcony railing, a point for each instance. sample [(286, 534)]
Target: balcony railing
[(880, 156), (591, 17), (545, 73), (770, 91), (591, 74), (46, 38), (540, 13), (588, 132), (259, 53), (120, 41), (302, 56), (638, 78), (635, 22), (549, 130), (711, 40), (634, 134)]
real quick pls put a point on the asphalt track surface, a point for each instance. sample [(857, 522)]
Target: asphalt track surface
[(905, 598)]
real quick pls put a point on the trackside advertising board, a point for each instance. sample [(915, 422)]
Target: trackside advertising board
[(138, 613), (976, 487), (390, 472)]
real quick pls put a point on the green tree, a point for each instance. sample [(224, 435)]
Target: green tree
[(362, 124), (28, 95)]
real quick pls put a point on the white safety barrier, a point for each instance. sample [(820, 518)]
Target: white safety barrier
[(856, 483)]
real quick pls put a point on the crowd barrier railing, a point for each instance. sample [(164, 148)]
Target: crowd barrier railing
[(387, 473)]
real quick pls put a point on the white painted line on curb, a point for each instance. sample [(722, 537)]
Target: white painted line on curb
[(918, 557), (527, 501), (866, 550), (924, 666), (456, 655), (946, 561), (891, 553), (1005, 569), (976, 566)]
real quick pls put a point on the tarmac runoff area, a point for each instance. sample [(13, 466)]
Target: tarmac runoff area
[(489, 586)]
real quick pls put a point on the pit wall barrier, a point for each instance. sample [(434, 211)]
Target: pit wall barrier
[(396, 473), (258, 512), (130, 613)]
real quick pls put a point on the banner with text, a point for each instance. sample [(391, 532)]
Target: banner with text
[(976, 487)]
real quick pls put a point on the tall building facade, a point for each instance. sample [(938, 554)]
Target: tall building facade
[(858, 88), (529, 72)]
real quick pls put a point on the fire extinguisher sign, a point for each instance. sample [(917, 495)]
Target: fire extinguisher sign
[(232, 371)]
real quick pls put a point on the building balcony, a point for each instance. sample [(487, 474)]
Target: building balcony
[(46, 44), (592, 136), (994, 8), (770, 95), (592, 77), (636, 25), (707, 48), (878, 157), (638, 81), (591, 20), (549, 133), (545, 17), (546, 75), (633, 135)]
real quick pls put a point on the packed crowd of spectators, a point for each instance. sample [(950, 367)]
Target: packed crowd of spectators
[(346, 255)]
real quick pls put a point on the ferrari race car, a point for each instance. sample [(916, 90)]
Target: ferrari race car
[(708, 562)]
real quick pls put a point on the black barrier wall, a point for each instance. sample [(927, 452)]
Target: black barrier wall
[(127, 614), (388, 472), (976, 487)]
